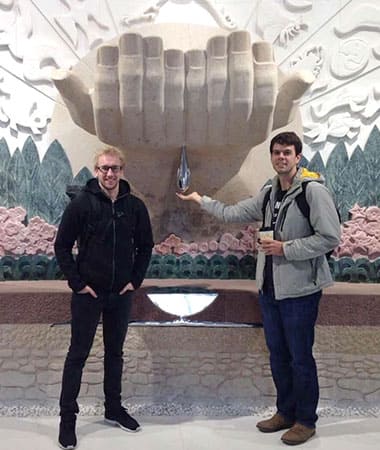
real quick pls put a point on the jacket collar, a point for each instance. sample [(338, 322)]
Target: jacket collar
[(301, 176), (92, 186)]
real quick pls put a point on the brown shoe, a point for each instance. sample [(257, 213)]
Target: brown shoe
[(298, 434), (275, 423)]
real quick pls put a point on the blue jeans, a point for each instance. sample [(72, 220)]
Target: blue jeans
[(85, 315), (289, 334)]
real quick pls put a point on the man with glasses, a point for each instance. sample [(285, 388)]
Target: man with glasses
[(114, 239)]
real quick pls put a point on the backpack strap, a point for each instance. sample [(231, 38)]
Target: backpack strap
[(264, 205), (91, 220), (305, 209), (302, 203), (73, 190)]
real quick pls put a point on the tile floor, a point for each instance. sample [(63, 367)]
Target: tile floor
[(186, 433)]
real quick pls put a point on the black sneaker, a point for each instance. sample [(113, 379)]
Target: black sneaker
[(67, 438), (123, 420)]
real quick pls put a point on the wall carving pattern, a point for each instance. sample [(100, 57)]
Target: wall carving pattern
[(40, 35), (26, 244), (349, 56), (340, 111), (282, 27), (150, 14)]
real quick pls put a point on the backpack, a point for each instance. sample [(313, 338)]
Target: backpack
[(303, 206), (73, 191)]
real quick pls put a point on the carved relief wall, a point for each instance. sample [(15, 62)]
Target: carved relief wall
[(42, 150)]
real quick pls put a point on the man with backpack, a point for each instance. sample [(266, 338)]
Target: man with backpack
[(114, 239), (292, 270)]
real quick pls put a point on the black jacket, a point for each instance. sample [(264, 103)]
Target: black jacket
[(114, 240)]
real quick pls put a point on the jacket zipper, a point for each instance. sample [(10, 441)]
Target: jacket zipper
[(314, 271), (283, 215), (113, 245), (284, 212)]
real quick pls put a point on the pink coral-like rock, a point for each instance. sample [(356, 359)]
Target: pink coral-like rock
[(228, 238), (172, 240), (358, 234), (12, 228), (9, 243), (3, 214), (251, 229), (358, 251), (357, 212), (223, 246), (163, 249), (50, 249), (360, 237), (18, 239), (235, 244), (372, 213), (181, 248), (193, 247), (42, 247), (32, 249), (357, 224), (213, 245), (246, 237), (20, 249), (374, 252), (203, 247), (35, 225), (344, 250), (373, 229), (48, 232), (18, 213), (243, 247)]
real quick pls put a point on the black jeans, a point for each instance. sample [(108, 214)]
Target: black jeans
[(85, 314)]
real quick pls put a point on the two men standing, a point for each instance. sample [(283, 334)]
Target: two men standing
[(291, 272)]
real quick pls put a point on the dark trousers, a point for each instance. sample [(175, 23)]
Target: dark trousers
[(85, 315), (289, 333)]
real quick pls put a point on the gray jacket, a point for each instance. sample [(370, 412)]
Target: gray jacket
[(303, 269)]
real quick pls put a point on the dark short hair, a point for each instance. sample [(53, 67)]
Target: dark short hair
[(287, 138)]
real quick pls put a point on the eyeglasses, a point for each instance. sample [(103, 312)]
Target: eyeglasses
[(105, 169)]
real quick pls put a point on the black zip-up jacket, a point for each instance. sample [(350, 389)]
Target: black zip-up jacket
[(114, 240)]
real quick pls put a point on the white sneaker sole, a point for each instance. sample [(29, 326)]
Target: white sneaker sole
[(70, 447), (117, 424)]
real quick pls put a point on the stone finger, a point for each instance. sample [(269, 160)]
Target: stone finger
[(76, 97), (106, 96), (131, 88), (291, 90), (240, 72), (264, 91), (217, 97), (174, 97), (153, 93), (195, 98)]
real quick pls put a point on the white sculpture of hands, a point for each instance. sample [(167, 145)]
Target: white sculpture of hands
[(220, 101)]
